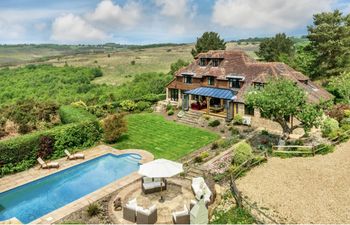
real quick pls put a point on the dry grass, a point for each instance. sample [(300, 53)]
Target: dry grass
[(303, 190)]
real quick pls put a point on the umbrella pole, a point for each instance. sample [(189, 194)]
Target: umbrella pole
[(161, 191)]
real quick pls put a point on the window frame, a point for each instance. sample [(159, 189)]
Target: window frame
[(232, 81), (188, 79), (202, 62), (211, 81), (215, 62)]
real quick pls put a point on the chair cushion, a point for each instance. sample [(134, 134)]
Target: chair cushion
[(132, 203), (147, 179), (151, 185), (143, 211)]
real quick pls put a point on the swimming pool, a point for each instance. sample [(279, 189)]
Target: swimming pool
[(37, 198)]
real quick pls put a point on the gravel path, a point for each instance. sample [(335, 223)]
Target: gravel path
[(303, 190)]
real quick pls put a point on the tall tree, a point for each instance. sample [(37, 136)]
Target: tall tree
[(329, 36), (177, 65), (273, 49), (208, 41), (280, 99)]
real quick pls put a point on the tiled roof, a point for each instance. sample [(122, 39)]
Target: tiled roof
[(239, 63)]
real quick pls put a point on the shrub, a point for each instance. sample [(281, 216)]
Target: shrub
[(114, 126), (214, 123), (93, 209), (142, 105), (242, 153), (234, 131), (238, 119), (324, 149), (72, 114), (169, 107), (133, 62), (204, 155), (170, 112), (214, 146), (198, 159), (97, 72), (128, 105), (233, 216), (46, 144), (338, 111), (330, 127), (19, 153), (347, 113)]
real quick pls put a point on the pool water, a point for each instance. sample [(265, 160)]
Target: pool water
[(37, 198)]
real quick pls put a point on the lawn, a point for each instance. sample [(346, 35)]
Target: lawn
[(164, 139)]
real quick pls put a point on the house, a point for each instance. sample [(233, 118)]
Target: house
[(216, 82)]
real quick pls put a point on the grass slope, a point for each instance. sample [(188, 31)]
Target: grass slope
[(164, 139)]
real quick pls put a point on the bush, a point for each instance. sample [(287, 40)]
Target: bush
[(198, 159), (338, 111), (233, 216), (169, 107), (73, 114), (242, 153), (93, 209), (238, 119), (128, 105), (347, 113), (214, 123), (133, 62), (214, 146), (204, 155), (330, 127), (46, 144), (142, 106), (20, 153), (97, 72), (170, 112), (324, 149), (114, 126)]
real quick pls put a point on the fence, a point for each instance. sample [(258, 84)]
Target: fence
[(313, 149)]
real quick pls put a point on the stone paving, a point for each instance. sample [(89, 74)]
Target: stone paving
[(14, 180), (177, 195)]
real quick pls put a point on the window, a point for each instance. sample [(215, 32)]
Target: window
[(216, 62), (248, 110), (174, 94), (210, 80), (188, 79), (202, 61), (234, 83), (259, 86)]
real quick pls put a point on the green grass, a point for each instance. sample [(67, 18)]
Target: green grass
[(164, 139), (233, 216)]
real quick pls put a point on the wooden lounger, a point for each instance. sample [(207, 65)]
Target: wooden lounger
[(74, 156), (49, 165)]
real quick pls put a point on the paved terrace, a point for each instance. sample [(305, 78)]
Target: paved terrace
[(14, 180)]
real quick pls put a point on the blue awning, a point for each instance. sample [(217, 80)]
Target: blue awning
[(213, 92)]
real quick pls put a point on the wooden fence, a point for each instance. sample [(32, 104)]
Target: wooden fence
[(313, 150)]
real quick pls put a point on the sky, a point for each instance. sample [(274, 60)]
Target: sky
[(154, 21)]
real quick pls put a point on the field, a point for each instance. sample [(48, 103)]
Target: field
[(164, 139), (115, 62)]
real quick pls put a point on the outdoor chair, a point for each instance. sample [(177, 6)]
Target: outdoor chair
[(146, 216), (181, 217), (129, 211), (201, 190), (49, 165), (74, 156), (152, 185)]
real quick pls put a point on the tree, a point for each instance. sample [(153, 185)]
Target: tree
[(329, 37), (177, 65), (273, 49), (114, 125), (208, 41), (340, 87), (280, 99)]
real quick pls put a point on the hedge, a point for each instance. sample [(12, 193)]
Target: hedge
[(20, 153), (72, 114)]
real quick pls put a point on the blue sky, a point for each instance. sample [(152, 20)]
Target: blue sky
[(153, 21)]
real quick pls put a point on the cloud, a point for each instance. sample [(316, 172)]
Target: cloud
[(72, 28), (272, 15), (172, 8), (113, 14), (10, 30)]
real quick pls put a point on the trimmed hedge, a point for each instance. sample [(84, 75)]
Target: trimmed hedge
[(20, 153), (72, 114)]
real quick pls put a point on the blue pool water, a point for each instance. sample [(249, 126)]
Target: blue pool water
[(35, 199)]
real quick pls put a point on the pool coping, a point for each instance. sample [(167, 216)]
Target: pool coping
[(62, 212)]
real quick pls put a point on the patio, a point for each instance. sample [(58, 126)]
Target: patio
[(177, 195)]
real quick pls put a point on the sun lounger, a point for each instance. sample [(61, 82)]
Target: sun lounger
[(201, 190), (74, 156), (49, 165), (181, 217), (152, 185), (129, 211), (146, 216)]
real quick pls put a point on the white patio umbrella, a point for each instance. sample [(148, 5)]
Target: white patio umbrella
[(160, 168)]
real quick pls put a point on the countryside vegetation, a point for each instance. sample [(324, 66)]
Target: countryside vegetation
[(74, 97)]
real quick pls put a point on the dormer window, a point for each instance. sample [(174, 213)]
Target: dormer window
[(187, 79), (259, 86), (234, 83), (210, 80), (202, 61), (216, 62)]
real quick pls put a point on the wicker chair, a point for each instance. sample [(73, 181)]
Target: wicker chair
[(129, 211), (152, 185), (181, 217), (147, 216)]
